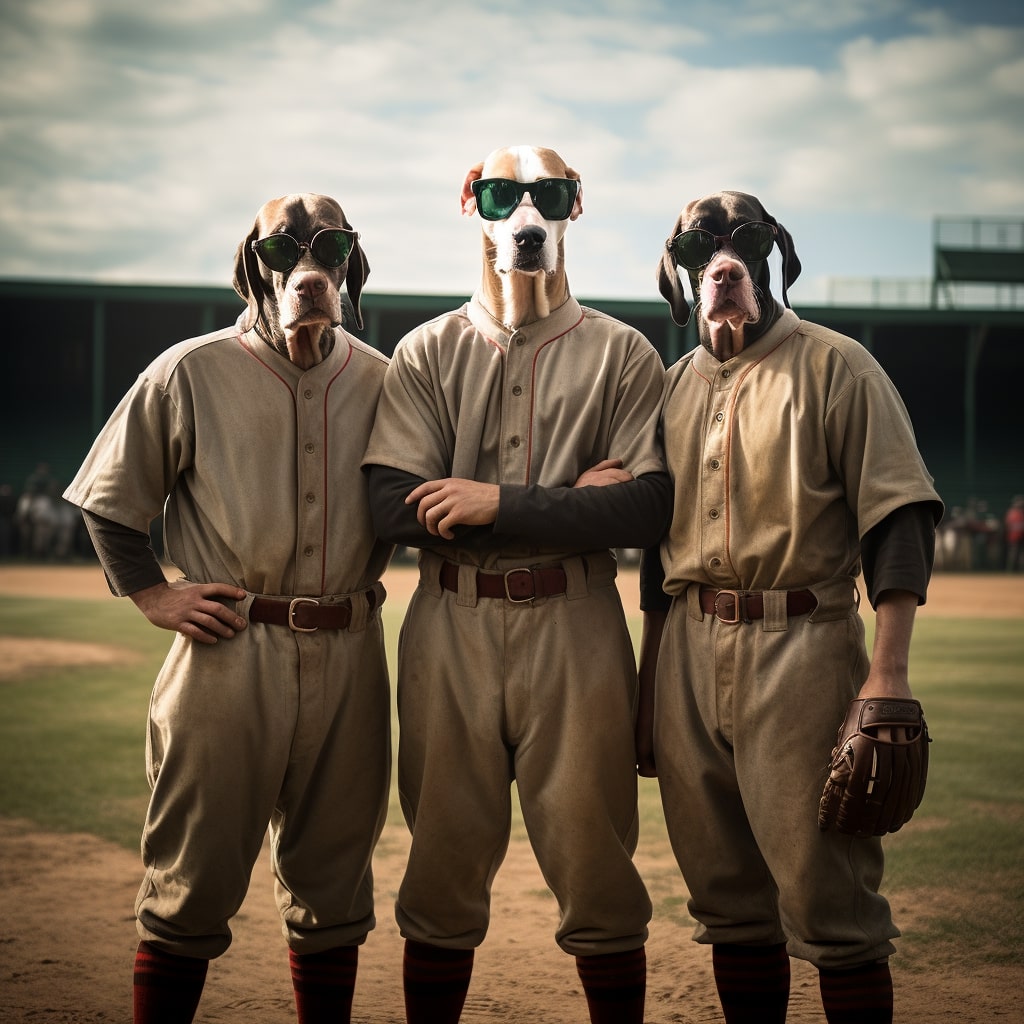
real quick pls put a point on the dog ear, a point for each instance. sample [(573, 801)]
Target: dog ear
[(669, 282), (790, 261), (356, 273), (577, 207), (468, 199), (247, 280)]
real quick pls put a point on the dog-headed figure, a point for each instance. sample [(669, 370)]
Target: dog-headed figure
[(272, 708), (515, 445), (794, 468)]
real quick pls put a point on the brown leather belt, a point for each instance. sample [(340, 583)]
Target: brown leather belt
[(517, 585), (305, 614), (732, 606)]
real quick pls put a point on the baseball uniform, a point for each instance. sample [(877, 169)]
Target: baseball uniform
[(259, 464), (494, 688), (783, 458)]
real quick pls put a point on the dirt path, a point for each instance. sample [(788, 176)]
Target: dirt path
[(67, 937)]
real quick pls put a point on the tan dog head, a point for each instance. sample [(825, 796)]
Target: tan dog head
[(524, 256), (297, 307), (732, 292)]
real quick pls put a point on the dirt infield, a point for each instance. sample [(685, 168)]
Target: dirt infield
[(67, 935)]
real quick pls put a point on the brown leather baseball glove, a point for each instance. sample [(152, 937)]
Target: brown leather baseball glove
[(878, 770)]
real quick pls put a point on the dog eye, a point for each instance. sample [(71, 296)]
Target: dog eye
[(499, 198)]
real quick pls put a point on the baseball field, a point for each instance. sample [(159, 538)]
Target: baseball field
[(76, 666)]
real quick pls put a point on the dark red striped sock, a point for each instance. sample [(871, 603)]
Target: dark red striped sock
[(615, 985), (753, 982), (166, 987), (436, 981), (859, 996), (324, 984)]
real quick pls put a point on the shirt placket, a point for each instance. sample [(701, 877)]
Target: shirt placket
[(516, 400), (311, 437), (714, 479)]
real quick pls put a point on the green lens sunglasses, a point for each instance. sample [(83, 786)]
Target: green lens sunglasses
[(496, 198), (330, 248)]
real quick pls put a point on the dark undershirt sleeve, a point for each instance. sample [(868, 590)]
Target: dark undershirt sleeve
[(898, 553), (126, 555), (632, 514), (652, 576), (396, 522)]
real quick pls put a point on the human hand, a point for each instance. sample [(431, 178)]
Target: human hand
[(607, 471), (192, 609), (444, 504)]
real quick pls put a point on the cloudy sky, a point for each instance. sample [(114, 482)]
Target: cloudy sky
[(137, 140)]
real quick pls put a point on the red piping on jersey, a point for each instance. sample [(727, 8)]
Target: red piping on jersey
[(323, 546), (533, 389), (728, 438), (341, 369)]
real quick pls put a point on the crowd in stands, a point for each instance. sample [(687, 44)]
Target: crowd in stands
[(975, 538), (38, 525)]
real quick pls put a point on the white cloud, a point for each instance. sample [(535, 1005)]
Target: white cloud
[(139, 141)]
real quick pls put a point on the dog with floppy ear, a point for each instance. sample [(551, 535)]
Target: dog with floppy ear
[(524, 253), (296, 309), (732, 295)]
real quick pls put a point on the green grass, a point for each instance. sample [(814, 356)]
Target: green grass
[(72, 759)]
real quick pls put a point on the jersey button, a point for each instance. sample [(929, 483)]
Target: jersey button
[(726, 374), (714, 513), (517, 390), (308, 551), (310, 498), (715, 464), (310, 447), (715, 563), (719, 416), (308, 393), (514, 441)]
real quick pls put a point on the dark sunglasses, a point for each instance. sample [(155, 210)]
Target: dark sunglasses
[(496, 198), (696, 248), (330, 248)]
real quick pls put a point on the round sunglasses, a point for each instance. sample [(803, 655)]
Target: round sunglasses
[(496, 198), (329, 247), (696, 247)]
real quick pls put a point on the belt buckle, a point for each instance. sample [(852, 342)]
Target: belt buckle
[(520, 600), (739, 599), (292, 605)]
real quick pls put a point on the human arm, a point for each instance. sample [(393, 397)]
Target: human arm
[(654, 604), (650, 642), (132, 570), (897, 557), (587, 515)]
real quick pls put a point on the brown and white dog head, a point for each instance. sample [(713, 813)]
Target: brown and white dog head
[(729, 294), (524, 255), (296, 310)]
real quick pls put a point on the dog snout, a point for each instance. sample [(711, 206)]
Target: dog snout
[(529, 240), (310, 285), (725, 268)]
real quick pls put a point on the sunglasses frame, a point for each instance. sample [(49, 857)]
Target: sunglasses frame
[(353, 237), (521, 188), (720, 240)]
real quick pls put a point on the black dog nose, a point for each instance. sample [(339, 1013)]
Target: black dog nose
[(529, 240)]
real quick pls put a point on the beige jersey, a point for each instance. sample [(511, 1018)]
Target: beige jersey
[(258, 460), (465, 398), (782, 458)]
